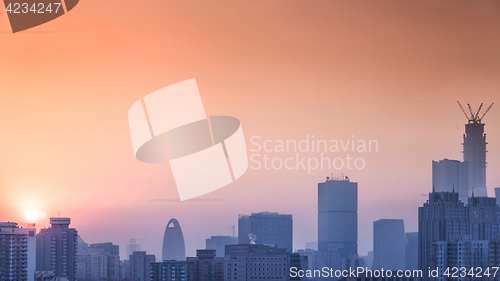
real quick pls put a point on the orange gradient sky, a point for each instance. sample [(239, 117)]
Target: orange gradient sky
[(389, 71)]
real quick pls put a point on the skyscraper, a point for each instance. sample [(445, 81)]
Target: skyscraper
[(266, 228), (451, 175), (56, 249), (475, 150), (17, 252), (98, 262), (442, 217), (338, 219), (173, 242), (389, 244)]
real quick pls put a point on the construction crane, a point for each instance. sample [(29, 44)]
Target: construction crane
[(132, 241), (475, 115)]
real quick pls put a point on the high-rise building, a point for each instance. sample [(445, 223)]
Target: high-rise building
[(475, 151), (56, 249), (205, 266), (411, 250), (266, 228), (17, 252), (140, 266), (219, 243), (173, 242), (256, 262), (337, 221), (443, 216), (389, 244), (483, 218), (461, 252), (451, 175), (98, 262)]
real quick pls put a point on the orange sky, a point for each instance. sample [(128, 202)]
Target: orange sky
[(386, 70)]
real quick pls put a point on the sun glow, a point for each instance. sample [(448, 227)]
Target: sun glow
[(32, 210)]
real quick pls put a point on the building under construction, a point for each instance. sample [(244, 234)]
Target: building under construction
[(475, 150)]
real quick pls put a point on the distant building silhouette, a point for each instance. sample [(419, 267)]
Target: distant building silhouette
[(266, 228), (56, 249), (173, 242), (219, 243), (389, 244), (337, 221), (132, 247), (443, 216), (17, 252), (411, 250), (451, 175)]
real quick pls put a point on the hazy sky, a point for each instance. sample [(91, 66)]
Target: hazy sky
[(389, 71)]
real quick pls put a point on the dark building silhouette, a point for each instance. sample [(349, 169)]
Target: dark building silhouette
[(173, 242), (440, 218), (56, 249), (266, 228)]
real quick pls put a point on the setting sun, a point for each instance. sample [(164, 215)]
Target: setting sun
[(32, 216)]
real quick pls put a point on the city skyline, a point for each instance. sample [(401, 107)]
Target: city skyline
[(376, 71)]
